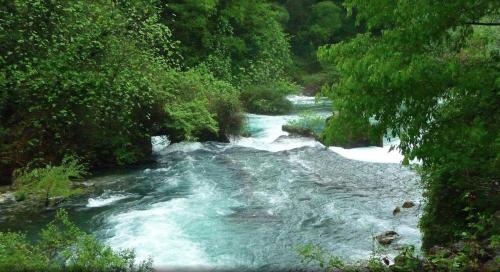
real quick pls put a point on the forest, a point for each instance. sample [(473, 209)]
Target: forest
[(256, 104)]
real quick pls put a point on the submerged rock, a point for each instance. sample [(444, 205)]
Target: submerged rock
[(396, 211), (246, 134), (306, 132), (57, 200), (387, 237), (408, 204)]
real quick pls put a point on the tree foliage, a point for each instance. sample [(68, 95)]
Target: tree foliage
[(63, 247), (196, 106), (241, 42), (237, 33), (98, 80), (424, 72), (80, 76)]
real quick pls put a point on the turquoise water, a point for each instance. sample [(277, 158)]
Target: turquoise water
[(247, 204)]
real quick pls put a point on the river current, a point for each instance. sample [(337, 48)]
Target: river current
[(252, 202)]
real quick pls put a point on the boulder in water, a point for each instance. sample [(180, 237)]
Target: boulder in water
[(408, 204), (246, 134), (387, 237), (56, 200), (297, 130), (396, 211)]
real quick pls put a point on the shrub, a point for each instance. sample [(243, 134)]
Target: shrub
[(317, 255), (198, 106), (310, 121), (349, 134), (50, 181), (63, 247), (433, 83), (268, 98), (20, 196)]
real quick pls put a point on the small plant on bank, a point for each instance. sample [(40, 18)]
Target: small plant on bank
[(315, 254), (268, 97), (50, 181), (20, 196), (310, 121), (64, 247)]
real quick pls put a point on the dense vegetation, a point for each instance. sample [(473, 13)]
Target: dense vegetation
[(97, 80), (311, 24), (85, 84), (62, 246), (430, 74)]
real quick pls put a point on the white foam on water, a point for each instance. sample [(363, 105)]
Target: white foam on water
[(182, 147), (106, 200), (163, 146), (302, 100), (373, 153), (156, 233), (170, 232), (159, 143), (288, 144), (269, 127), (269, 132), (306, 100)]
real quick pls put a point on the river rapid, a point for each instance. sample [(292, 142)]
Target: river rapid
[(250, 203)]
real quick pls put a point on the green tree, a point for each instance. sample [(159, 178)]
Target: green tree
[(325, 19), (428, 73), (197, 106), (241, 42), (79, 77), (98, 80)]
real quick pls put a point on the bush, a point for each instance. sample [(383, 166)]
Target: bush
[(49, 182), (310, 121), (317, 255), (268, 98), (63, 247), (433, 83), (471, 257), (20, 196), (97, 80), (197, 106), (350, 133)]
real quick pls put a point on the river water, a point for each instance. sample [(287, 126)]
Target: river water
[(252, 202)]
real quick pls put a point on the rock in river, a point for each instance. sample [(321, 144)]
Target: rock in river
[(408, 204), (387, 237), (396, 211)]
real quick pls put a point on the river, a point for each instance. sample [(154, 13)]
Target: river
[(252, 202)]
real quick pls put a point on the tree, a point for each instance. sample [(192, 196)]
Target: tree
[(96, 80), (325, 19), (424, 73), (79, 76), (241, 36)]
